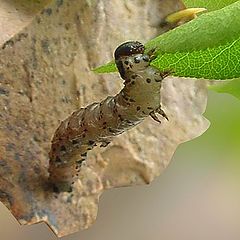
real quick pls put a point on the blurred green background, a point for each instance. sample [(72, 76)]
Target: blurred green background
[(197, 197)]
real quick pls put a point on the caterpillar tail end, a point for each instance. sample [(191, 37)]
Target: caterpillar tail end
[(60, 180), (183, 15)]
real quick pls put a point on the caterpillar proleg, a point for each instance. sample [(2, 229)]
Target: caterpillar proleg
[(100, 122)]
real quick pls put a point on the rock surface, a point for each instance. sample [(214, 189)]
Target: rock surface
[(16, 14), (45, 74)]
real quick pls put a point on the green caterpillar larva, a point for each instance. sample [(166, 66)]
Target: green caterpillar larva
[(99, 122)]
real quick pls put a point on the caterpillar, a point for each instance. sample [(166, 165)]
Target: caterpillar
[(99, 122)]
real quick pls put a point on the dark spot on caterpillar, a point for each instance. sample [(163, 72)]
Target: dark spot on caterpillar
[(143, 112), (104, 127), (134, 76), (58, 159), (150, 108), (55, 189), (120, 117), (132, 100), (138, 108), (111, 130), (126, 62), (157, 80), (84, 154), (126, 98), (85, 130), (75, 141), (128, 68), (127, 81), (133, 82), (104, 123), (136, 60), (63, 148), (80, 161), (100, 115), (91, 142), (84, 135), (148, 80)]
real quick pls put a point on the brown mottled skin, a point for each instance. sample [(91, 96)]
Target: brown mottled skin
[(99, 122)]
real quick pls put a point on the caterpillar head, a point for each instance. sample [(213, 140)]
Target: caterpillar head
[(129, 57), (128, 49)]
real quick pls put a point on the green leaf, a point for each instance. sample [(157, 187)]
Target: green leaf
[(222, 62), (211, 5), (106, 68), (231, 87), (208, 30), (206, 47)]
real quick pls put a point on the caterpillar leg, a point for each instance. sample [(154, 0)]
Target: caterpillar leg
[(162, 113), (154, 117), (166, 73), (104, 144), (152, 54)]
